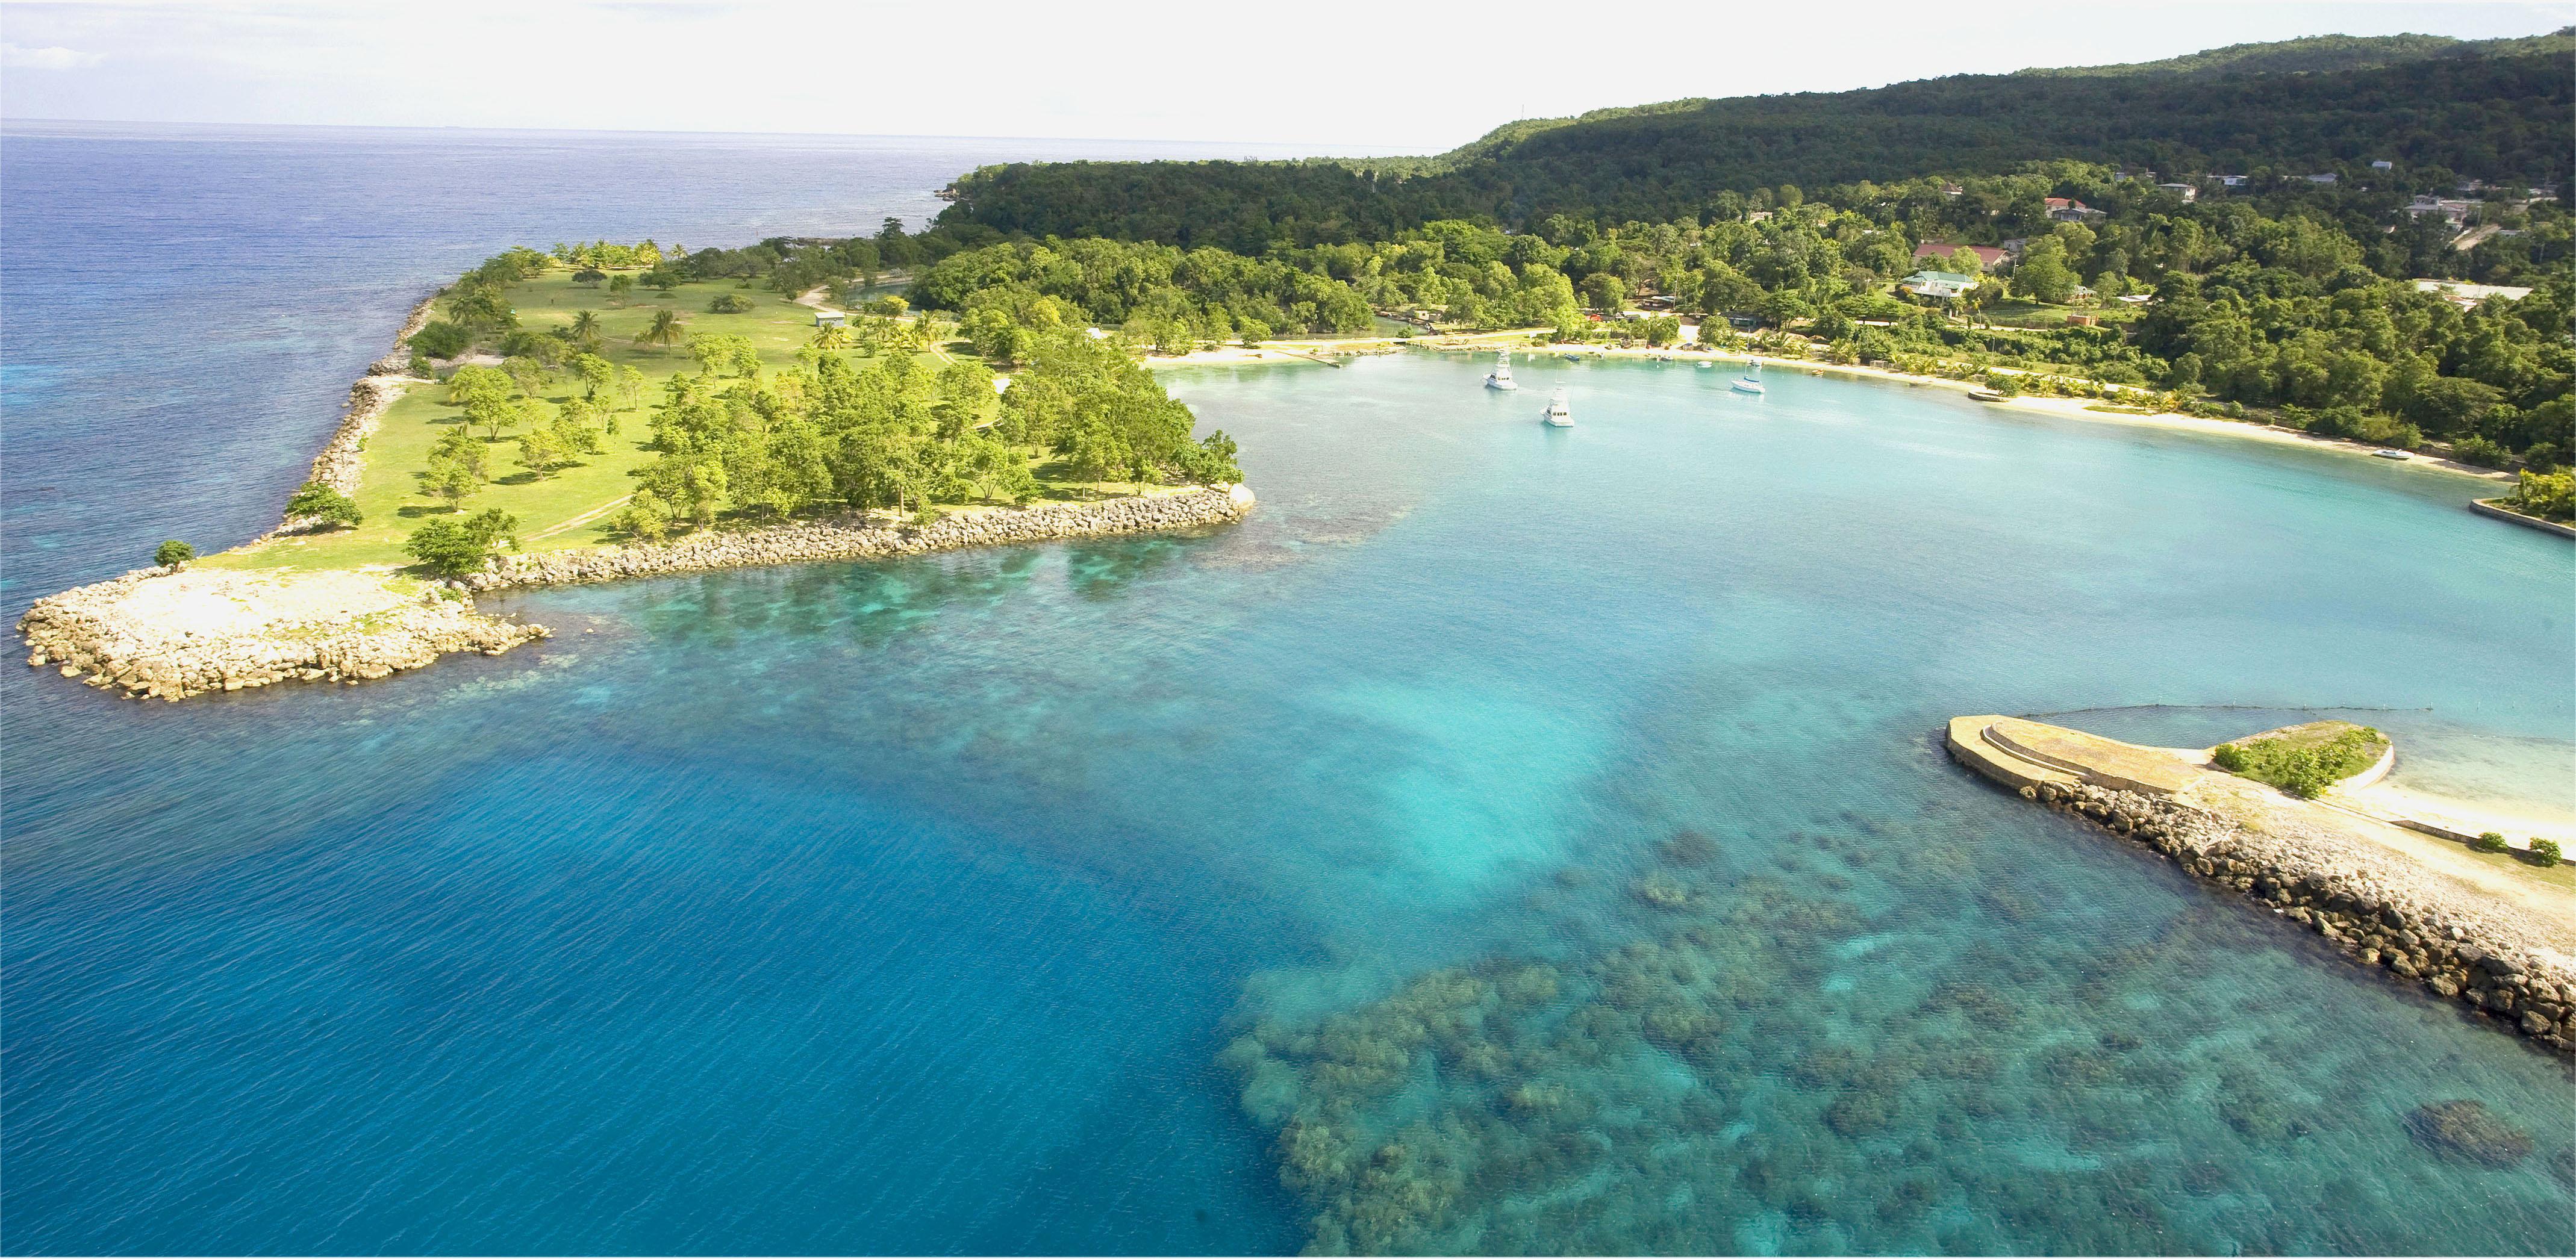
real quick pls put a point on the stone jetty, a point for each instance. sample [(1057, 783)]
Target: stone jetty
[(858, 538), (2416, 908)]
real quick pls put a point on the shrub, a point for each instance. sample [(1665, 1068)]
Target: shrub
[(2478, 450), (2489, 842), (173, 553), (2551, 495), (729, 304), (320, 502), (2305, 771), (2544, 852), (452, 548), (440, 339)]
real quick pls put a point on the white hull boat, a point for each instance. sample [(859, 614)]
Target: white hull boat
[(1557, 415), (1751, 380), (1501, 376)]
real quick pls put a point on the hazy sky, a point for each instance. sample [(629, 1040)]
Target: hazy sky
[(1348, 78)]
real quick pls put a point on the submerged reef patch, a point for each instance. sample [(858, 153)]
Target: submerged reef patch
[(1770, 1065)]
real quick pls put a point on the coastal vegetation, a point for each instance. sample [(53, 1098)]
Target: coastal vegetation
[(2283, 292), (702, 397), (2491, 117), (2304, 760), (2548, 495), (2295, 306)]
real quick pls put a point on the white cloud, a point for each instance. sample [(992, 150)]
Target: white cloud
[(16, 58)]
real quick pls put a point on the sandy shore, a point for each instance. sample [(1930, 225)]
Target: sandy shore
[(2389, 800), (2066, 408)]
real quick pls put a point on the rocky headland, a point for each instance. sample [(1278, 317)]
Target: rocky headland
[(168, 633), (2501, 949)]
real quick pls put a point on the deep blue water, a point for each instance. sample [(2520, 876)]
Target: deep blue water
[(912, 907)]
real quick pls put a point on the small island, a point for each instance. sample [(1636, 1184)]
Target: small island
[(600, 412)]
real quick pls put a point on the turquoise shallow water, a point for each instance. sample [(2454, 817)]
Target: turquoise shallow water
[(914, 907)]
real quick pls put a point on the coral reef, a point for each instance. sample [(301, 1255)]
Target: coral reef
[(2467, 1130), (1766, 1065)]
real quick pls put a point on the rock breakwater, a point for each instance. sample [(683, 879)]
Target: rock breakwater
[(2419, 930), (342, 461), (855, 539), (168, 634)]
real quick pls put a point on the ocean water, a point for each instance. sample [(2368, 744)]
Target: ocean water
[(1521, 839)]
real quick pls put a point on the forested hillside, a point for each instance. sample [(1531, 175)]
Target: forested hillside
[(2335, 52), (2493, 118)]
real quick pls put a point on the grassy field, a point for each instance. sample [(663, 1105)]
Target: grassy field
[(2022, 313), (574, 507)]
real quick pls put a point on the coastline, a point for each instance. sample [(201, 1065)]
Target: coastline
[(341, 462), (175, 632), (2063, 408), (857, 538), (2422, 909)]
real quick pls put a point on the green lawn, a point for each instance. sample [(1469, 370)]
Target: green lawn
[(2022, 313), (572, 508)]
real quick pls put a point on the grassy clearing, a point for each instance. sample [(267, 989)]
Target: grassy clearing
[(573, 508)]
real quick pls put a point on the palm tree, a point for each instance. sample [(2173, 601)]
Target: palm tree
[(831, 337), (585, 329), (664, 329)]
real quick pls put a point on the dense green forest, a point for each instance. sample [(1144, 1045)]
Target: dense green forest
[(2297, 301), (2336, 52), (1797, 217), (2492, 118)]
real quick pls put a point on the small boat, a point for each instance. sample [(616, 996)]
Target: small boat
[(1984, 395), (2398, 455), (1704, 365), (1501, 376), (1751, 380), (1573, 358), (1557, 415)]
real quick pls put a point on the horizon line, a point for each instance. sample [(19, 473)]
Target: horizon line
[(12, 123)]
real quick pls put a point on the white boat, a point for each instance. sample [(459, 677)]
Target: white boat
[(2399, 455), (1558, 415), (1751, 380), (1501, 376)]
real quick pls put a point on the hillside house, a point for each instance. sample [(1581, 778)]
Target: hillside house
[(1937, 284), (2069, 210)]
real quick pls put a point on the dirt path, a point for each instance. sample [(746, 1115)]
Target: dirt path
[(584, 518)]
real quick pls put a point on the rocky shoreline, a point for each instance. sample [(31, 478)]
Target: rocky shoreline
[(857, 539), (2483, 955), (169, 633), (342, 460), (166, 633)]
